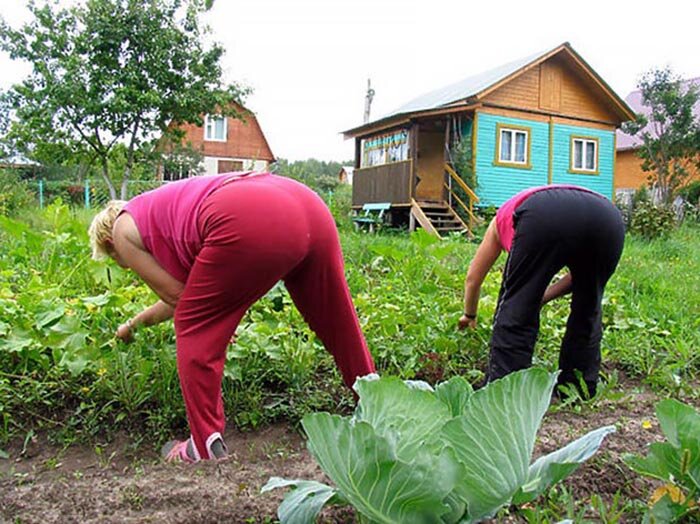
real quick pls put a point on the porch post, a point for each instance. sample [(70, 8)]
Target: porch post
[(413, 145), (447, 195)]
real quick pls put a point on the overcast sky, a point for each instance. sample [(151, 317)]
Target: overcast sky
[(308, 61)]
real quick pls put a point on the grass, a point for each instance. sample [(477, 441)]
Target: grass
[(63, 369)]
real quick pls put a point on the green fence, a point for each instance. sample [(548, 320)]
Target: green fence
[(88, 193)]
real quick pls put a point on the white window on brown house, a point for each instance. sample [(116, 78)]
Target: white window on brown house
[(215, 128)]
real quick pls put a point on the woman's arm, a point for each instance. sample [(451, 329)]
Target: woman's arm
[(158, 312), (559, 288), (131, 253), (486, 255)]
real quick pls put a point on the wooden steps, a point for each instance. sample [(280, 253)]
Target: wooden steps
[(437, 218)]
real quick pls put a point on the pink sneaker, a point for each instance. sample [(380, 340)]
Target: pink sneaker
[(176, 451)]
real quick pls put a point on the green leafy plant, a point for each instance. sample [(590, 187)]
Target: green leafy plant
[(414, 454), (676, 462), (652, 221)]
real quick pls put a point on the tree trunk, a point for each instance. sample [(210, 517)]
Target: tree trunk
[(129, 161), (108, 181)]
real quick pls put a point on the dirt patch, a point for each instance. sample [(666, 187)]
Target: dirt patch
[(118, 484)]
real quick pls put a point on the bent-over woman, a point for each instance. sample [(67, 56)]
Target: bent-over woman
[(545, 229), (209, 247)]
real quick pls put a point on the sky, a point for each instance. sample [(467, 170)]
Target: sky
[(308, 61)]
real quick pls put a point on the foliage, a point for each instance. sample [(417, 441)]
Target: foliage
[(676, 462), (411, 453), (691, 197), (111, 72), (462, 162), (652, 221), (670, 131), (691, 192), (14, 194), (182, 161), (407, 290), (319, 175)]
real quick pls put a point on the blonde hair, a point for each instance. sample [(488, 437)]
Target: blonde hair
[(100, 229)]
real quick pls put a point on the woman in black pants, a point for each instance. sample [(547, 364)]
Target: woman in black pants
[(545, 229)]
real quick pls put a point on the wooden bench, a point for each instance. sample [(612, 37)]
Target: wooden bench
[(372, 215)]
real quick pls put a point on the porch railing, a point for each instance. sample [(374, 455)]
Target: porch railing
[(453, 197), (391, 183)]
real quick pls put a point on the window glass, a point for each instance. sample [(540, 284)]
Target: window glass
[(506, 139), (215, 128), (578, 154), (520, 141), (590, 156), (584, 154)]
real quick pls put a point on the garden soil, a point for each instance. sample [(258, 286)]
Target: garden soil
[(123, 483)]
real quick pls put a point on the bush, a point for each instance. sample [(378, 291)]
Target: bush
[(340, 204), (14, 194), (691, 193), (652, 221)]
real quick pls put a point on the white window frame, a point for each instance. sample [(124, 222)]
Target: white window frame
[(210, 127), (584, 146), (513, 131)]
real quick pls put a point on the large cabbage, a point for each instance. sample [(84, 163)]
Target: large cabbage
[(414, 454)]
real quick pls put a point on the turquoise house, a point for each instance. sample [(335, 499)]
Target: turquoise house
[(545, 119)]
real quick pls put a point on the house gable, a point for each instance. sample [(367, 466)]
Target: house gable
[(244, 139), (556, 86)]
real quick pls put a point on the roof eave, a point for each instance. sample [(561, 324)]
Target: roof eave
[(404, 118)]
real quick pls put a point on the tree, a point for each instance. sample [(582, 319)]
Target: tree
[(319, 175), (669, 130), (113, 72)]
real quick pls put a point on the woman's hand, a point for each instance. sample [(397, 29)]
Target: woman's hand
[(466, 322), (125, 333)]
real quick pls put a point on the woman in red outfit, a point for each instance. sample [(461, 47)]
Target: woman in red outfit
[(210, 247)]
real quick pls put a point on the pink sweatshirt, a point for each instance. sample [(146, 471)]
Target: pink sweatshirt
[(504, 215), (166, 218)]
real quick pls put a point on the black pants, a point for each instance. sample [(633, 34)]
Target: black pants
[(557, 228)]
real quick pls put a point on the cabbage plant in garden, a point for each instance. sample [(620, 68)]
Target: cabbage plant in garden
[(414, 454), (676, 462)]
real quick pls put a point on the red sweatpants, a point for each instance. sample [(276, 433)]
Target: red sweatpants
[(257, 231)]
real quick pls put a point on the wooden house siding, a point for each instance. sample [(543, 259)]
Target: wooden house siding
[(522, 92), (578, 101), (553, 87), (602, 182), (630, 175), (385, 183), (628, 170), (496, 183)]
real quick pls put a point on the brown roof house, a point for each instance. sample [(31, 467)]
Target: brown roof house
[(547, 118), (629, 175), (220, 145)]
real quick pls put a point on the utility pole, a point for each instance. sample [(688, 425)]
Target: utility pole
[(368, 100)]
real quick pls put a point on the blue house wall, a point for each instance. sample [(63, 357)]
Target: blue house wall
[(602, 182), (497, 183)]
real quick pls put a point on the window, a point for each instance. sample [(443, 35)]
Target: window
[(215, 128), (513, 146), (384, 149), (584, 155)]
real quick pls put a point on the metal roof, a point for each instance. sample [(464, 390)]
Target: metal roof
[(463, 89)]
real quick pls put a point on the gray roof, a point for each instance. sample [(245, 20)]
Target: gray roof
[(463, 89)]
